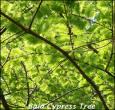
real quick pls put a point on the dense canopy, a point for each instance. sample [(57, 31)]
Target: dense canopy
[(57, 53)]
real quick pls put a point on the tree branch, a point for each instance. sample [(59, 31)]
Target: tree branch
[(69, 27), (90, 43), (60, 62), (18, 36), (2, 30), (63, 52), (35, 14), (109, 61), (8, 56), (95, 66), (4, 102), (11, 36), (28, 89)]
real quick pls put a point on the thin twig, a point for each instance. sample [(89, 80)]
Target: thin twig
[(18, 36), (7, 59), (70, 33), (4, 102), (11, 36), (28, 91), (2, 30), (7, 86), (60, 62), (109, 60), (95, 48), (35, 14), (95, 66), (92, 43)]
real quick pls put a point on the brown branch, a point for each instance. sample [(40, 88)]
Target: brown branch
[(4, 102), (103, 45), (96, 49), (7, 86), (64, 54), (113, 28), (90, 43), (27, 10), (18, 36), (7, 59), (2, 30), (70, 33), (35, 14), (11, 36), (52, 70), (28, 91), (92, 48), (75, 49), (95, 66), (109, 61)]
